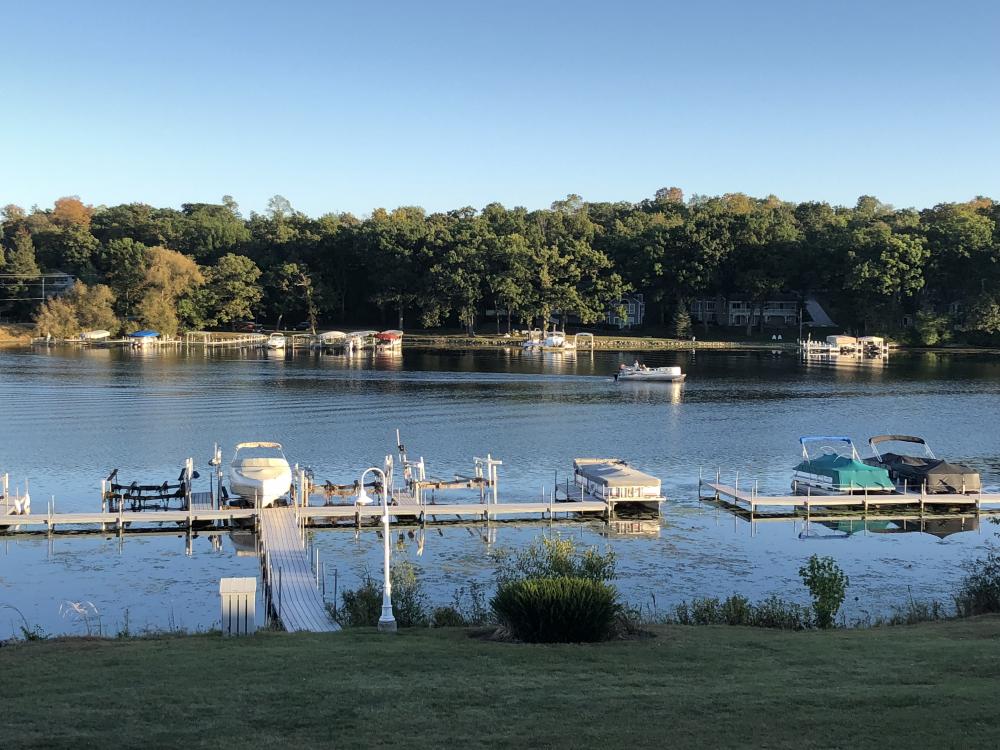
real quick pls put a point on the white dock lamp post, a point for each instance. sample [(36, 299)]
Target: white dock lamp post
[(386, 623)]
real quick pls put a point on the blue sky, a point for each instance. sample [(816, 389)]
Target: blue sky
[(348, 106)]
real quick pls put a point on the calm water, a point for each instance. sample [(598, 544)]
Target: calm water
[(68, 417)]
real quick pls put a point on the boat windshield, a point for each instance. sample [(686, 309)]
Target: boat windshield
[(246, 451), (814, 446), (901, 445)]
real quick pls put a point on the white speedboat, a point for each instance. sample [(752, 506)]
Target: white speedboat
[(260, 471), (650, 374), (276, 341)]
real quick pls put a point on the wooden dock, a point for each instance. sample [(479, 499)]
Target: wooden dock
[(291, 583), (750, 500)]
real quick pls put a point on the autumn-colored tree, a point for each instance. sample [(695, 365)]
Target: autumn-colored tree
[(71, 210), (82, 308), (170, 275)]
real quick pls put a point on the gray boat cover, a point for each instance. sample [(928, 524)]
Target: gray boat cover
[(938, 476)]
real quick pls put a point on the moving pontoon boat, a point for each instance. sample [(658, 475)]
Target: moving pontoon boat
[(832, 466), (650, 374), (260, 471), (919, 468)]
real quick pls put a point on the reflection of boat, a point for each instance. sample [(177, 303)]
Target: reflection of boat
[(244, 542), (260, 471), (831, 466), (276, 341), (921, 471), (649, 374), (939, 527)]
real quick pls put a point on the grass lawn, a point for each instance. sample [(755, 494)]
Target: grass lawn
[(930, 685)]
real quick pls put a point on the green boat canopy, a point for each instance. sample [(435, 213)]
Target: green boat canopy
[(847, 473)]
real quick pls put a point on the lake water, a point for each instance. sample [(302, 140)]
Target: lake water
[(68, 416)]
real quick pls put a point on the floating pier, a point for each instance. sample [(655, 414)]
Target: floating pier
[(750, 499)]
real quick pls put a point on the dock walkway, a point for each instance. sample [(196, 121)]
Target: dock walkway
[(753, 500), (295, 596)]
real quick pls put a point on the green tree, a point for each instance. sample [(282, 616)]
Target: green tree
[(124, 263), (232, 290), (20, 270)]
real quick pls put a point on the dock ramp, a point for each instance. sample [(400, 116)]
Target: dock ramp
[(294, 595)]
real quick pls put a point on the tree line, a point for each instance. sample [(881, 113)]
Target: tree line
[(208, 265)]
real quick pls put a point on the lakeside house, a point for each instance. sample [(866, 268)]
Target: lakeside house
[(777, 310), (634, 308)]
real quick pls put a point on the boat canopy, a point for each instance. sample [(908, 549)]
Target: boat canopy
[(927, 470), (241, 446), (613, 473), (145, 334), (845, 473)]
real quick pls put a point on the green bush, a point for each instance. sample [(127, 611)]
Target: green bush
[(827, 585), (471, 603), (775, 612), (447, 617), (932, 329), (557, 610), (979, 593), (738, 610), (409, 603), (362, 607), (553, 558)]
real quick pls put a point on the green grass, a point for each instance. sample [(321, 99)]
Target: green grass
[(929, 685)]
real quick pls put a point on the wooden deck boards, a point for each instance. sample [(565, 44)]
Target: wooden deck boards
[(295, 596), (754, 500)]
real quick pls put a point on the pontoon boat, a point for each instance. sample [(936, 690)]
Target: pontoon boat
[(832, 466), (639, 372), (923, 470)]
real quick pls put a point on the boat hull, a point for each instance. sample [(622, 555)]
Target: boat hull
[(263, 484)]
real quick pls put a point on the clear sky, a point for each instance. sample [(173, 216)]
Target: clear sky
[(347, 106)]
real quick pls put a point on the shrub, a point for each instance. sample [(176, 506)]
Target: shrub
[(409, 603), (553, 558), (362, 607), (470, 602), (913, 613), (827, 585), (447, 617), (979, 593), (775, 612), (736, 610), (557, 610), (705, 611), (932, 329)]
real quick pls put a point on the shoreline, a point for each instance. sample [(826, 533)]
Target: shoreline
[(452, 342)]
